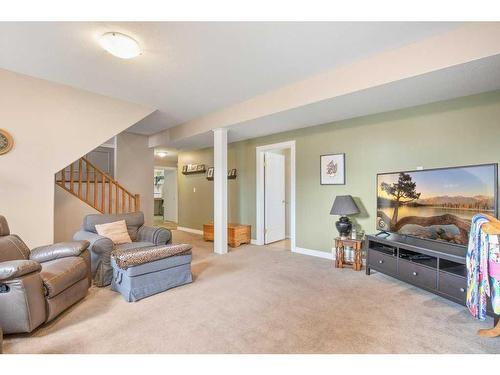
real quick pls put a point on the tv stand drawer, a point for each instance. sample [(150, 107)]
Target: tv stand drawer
[(417, 274), (382, 262), (453, 286)]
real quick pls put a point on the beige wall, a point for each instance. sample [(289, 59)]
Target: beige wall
[(135, 169), (69, 212), (451, 133), (52, 125), (165, 162)]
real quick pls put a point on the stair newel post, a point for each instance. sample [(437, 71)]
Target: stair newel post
[(137, 202), (80, 166)]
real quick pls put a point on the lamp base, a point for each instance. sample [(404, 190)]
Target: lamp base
[(344, 227)]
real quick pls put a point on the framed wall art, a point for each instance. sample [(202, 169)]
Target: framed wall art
[(6, 142), (332, 169)]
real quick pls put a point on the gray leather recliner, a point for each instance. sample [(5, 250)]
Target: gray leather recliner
[(37, 285), (101, 247)]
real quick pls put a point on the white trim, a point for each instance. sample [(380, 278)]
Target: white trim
[(314, 253), (190, 230), (254, 242), (259, 152), (220, 191)]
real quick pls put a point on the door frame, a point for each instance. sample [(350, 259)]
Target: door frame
[(260, 209), (176, 189)]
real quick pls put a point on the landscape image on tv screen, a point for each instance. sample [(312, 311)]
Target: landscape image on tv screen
[(436, 204)]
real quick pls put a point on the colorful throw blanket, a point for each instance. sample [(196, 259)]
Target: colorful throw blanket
[(483, 269)]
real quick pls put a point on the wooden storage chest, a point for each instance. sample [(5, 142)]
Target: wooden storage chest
[(237, 234)]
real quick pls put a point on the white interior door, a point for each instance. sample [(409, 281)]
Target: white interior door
[(274, 197), (170, 196)]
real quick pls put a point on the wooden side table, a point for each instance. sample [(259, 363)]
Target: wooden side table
[(357, 246)]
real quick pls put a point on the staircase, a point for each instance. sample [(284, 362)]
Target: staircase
[(96, 188)]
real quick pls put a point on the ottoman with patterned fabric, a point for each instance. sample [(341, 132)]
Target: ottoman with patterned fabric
[(142, 272)]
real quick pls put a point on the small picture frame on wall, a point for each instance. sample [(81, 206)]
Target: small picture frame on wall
[(231, 174), (210, 173), (332, 169)]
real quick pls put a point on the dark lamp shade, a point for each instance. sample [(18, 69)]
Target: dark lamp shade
[(344, 205)]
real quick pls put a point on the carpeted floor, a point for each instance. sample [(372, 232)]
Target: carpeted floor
[(263, 300)]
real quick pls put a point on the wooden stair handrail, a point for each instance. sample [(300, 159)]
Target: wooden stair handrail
[(130, 202)]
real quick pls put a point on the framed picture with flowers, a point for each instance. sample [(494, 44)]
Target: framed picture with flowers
[(332, 169)]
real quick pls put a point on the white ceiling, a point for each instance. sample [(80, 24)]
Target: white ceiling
[(188, 70), (479, 76)]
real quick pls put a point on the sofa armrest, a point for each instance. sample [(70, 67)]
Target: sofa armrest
[(58, 250), (98, 244), (17, 268), (158, 236)]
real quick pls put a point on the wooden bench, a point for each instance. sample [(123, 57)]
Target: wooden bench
[(237, 234)]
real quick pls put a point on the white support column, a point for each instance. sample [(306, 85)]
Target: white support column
[(220, 190)]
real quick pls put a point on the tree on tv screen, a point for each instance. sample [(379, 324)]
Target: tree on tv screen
[(402, 192)]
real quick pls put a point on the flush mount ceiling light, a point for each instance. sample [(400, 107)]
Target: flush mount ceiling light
[(161, 154), (120, 45)]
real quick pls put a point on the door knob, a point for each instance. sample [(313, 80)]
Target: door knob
[(414, 274), (381, 261), (462, 290)]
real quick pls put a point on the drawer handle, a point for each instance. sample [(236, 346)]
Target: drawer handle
[(462, 290), (414, 273), (381, 261)]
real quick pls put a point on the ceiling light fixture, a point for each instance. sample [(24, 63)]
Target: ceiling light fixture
[(161, 154), (120, 45)]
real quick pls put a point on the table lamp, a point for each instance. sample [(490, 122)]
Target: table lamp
[(344, 205)]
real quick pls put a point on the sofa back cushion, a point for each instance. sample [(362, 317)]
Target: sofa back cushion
[(116, 232), (13, 248), (134, 221)]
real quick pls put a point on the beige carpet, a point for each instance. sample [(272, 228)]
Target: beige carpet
[(159, 222), (264, 300)]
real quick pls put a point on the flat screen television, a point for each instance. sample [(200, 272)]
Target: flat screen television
[(436, 204)]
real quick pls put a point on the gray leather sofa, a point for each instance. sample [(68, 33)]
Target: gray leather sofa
[(101, 247), (37, 285)]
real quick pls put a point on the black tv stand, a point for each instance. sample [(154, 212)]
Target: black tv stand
[(437, 267)]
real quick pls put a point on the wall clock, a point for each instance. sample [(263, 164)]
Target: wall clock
[(6, 142)]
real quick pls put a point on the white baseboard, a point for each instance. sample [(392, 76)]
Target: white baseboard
[(254, 242), (190, 230), (314, 253), (363, 260), (319, 254)]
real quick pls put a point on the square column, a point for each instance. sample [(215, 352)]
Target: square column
[(220, 191)]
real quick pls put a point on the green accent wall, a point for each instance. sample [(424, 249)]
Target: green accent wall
[(451, 133)]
